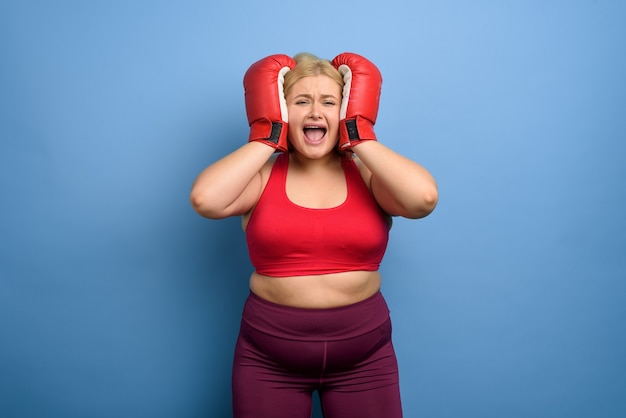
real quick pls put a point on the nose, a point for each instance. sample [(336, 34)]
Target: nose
[(315, 113)]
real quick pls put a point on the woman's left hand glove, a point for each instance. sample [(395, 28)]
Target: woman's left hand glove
[(361, 95)]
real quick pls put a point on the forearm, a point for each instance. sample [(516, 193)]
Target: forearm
[(226, 187), (401, 186)]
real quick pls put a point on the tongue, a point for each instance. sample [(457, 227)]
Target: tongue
[(314, 135)]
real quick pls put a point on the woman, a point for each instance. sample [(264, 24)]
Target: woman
[(317, 219)]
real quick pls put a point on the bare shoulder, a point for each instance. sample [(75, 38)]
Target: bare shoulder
[(267, 169), (366, 174), (263, 177)]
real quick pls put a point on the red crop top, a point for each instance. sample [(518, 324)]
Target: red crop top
[(285, 239)]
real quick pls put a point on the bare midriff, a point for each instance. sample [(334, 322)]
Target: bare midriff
[(318, 291)]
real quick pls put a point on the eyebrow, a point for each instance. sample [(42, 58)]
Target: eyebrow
[(323, 96)]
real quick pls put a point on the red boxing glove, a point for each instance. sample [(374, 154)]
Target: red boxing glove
[(361, 94), (265, 100)]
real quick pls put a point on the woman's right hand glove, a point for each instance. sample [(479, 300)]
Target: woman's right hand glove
[(265, 100)]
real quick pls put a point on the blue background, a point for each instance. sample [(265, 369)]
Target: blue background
[(117, 300)]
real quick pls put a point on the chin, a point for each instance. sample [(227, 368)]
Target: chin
[(314, 154)]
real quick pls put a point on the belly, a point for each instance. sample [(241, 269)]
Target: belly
[(322, 291)]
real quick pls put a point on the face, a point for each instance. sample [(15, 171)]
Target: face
[(313, 106)]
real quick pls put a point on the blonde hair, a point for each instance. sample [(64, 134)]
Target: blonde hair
[(308, 65)]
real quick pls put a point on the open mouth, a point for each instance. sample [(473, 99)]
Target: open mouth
[(314, 134)]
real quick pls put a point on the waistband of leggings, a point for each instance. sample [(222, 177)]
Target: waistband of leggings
[(311, 324)]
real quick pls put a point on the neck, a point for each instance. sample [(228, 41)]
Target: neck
[(302, 162)]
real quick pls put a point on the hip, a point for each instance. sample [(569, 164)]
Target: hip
[(315, 324)]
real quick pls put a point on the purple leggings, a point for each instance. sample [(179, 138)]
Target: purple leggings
[(283, 354)]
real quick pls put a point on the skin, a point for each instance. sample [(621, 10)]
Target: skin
[(232, 185)]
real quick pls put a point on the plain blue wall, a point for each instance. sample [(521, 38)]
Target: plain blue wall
[(117, 300)]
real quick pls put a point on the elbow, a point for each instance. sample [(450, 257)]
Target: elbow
[(430, 201), (423, 206), (202, 204), (198, 203)]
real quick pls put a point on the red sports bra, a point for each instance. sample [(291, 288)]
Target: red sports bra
[(285, 239)]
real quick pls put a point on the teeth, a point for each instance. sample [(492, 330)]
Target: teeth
[(314, 133)]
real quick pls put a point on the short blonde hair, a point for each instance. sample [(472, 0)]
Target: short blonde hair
[(308, 65)]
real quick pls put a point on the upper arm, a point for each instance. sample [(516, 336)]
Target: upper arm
[(391, 204), (247, 200), (241, 204)]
